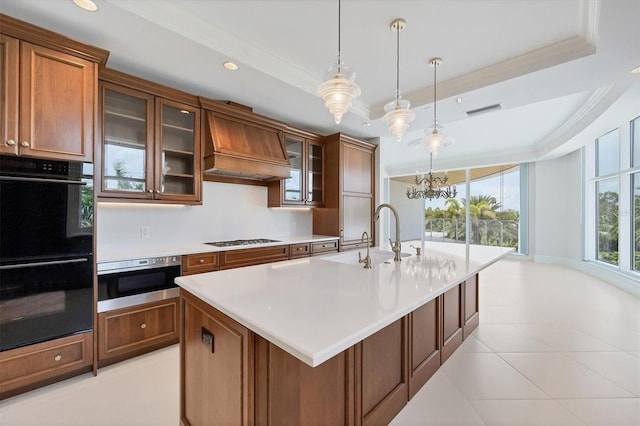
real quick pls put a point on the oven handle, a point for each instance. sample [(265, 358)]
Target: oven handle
[(33, 179), (53, 262)]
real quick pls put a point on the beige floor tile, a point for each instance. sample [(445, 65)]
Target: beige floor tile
[(524, 412), (565, 339), (487, 376), (440, 403), (472, 344), (600, 412), (621, 368), (561, 377), (509, 338)]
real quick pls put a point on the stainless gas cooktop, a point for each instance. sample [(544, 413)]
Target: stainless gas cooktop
[(242, 242)]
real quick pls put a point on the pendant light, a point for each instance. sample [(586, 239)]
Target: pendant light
[(435, 139), (398, 115), (340, 88)]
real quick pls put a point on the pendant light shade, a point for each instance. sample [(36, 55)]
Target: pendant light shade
[(339, 88), (398, 115)]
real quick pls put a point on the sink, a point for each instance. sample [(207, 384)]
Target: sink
[(351, 257)]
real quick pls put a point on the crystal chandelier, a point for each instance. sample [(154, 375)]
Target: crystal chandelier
[(431, 186), (398, 115), (340, 88)]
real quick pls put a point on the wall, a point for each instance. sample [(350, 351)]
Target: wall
[(228, 211)]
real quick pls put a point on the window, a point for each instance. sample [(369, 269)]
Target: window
[(612, 199), (494, 205), (608, 223)]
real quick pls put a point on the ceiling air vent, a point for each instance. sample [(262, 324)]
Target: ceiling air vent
[(482, 110)]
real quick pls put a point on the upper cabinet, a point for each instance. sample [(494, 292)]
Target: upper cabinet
[(150, 143), (49, 93), (305, 186), (349, 187)]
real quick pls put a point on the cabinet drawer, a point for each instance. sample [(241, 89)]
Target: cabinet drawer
[(254, 256), (298, 250), (201, 262), (132, 331), (43, 363), (324, 247)]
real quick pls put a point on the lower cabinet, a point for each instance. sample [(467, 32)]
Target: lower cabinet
[(37, 365), (381, 364), (471, 307), (128, 332), (253, 256), (425, 344), (216, 364), (230, 375), (289, 392)]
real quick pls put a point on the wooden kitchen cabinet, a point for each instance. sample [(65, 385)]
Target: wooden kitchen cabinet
[(381, 361), (299, 250), (49, 93), (149, 146), (216, 380), (324, 247), (452, 320), (471, 306), (128, 332), (424, 344), (305, 187), (43, 363), (289, 392), (349, 188), (253, 256), (199, 263)]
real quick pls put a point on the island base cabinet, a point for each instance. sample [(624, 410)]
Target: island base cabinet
[(452, 323), (290, 392), (216, 367), (425, 343), (382, 374), (471, 307)]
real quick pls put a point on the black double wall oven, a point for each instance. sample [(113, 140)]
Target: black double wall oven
[(46, 250)]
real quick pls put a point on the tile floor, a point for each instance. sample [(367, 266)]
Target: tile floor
[(554, 347)]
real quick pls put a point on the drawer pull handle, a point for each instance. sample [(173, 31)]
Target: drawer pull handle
[(57, 358), (24, 144), (143, 325), (201, 261)]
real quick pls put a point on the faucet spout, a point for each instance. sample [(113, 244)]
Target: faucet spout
[(395, 247)]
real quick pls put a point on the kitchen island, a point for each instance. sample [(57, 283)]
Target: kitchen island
[(323, 340)]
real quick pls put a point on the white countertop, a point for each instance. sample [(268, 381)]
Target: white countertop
[(315, 308), (106, 255)]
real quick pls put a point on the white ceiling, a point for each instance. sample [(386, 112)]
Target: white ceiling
[(554, 65)]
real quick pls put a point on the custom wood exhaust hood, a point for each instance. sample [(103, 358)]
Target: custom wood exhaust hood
[(241, 144)]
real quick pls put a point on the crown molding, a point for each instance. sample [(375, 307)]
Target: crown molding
[(170, 15), (578, 46)]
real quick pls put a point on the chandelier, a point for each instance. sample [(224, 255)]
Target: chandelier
[(398, 115), (340, 88), (431, 186)]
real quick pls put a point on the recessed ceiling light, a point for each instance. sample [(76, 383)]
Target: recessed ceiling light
[(458, 100), (635, 71), (366, 124), (231, 66), (87, 5)]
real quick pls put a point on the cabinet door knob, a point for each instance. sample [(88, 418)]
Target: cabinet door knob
[(11, 142), (57, 358), (157, 191), (143, 325), (201, 261), (24, 144), (150, 191)]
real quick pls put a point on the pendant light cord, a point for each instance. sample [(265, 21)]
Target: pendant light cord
[(339, 51), (435, 96), (398, 65)]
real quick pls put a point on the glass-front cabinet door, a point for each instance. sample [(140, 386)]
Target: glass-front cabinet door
[(177, 160), (315, 178), (127, 142), (294, 186)]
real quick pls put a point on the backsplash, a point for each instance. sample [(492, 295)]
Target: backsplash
[(228, 211)]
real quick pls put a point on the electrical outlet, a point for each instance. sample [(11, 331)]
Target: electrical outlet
[(145, 231)]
